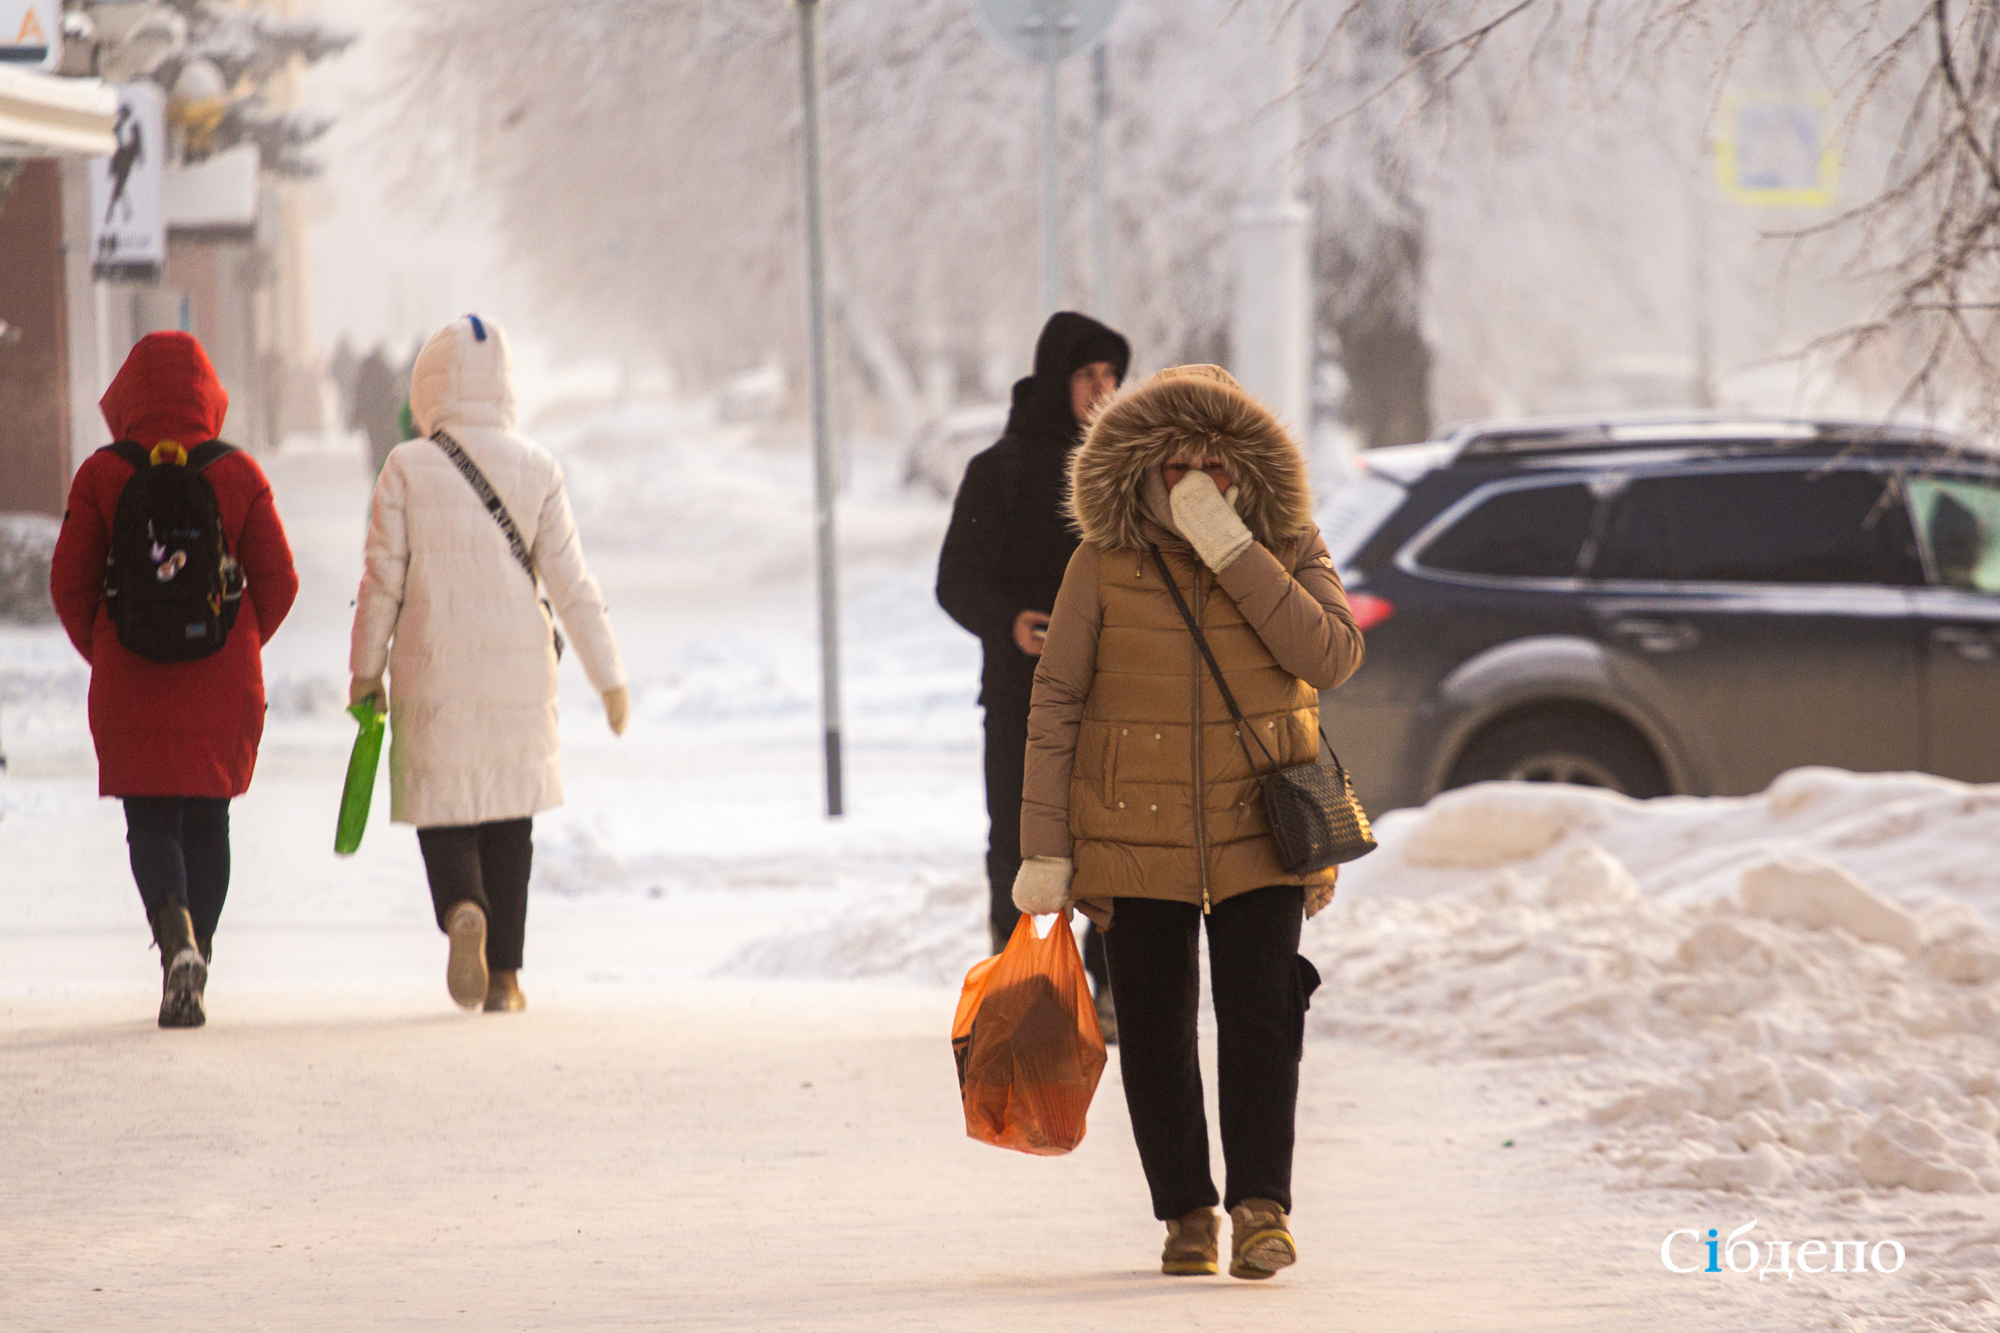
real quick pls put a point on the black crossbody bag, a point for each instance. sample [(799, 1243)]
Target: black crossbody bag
[(1315, 820), (498, 508)]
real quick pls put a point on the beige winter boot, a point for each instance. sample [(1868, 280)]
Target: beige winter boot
[(465, 971), (503, 994), (183, 974), (1260, 1239), (1191, 1244)]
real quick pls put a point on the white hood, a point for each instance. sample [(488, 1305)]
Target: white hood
[(464, 377)]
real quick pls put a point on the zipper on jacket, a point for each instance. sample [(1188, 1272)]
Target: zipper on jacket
[(1200, 791)]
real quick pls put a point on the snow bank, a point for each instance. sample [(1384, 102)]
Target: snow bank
[(1789, 1025)]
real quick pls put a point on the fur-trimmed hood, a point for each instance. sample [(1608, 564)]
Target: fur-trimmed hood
[(1198, 408)]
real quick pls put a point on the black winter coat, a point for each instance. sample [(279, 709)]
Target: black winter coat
[(1009, 540)]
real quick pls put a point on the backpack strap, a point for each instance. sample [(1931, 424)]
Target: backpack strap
[(131, 451), (202, 455)]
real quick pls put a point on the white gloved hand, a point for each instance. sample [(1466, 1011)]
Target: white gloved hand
[(617, 709), (1207, 518), (1042, 885)]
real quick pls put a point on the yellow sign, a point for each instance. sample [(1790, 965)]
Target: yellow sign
[(1778, 150)]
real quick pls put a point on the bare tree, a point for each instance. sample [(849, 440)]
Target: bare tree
[(1514, 199), (645, 171), (1915, 87)]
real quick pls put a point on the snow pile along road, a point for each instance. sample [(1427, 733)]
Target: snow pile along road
[(1754, 1015)]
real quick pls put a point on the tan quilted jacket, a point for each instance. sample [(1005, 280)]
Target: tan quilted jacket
[(1133, 765)]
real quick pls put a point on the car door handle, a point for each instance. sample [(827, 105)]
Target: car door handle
[(1973, 645), (1657, 636)]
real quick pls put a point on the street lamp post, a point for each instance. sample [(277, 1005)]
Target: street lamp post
[(818, 372), (1271, 333)]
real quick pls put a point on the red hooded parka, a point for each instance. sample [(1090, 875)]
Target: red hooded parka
[(172, 728)]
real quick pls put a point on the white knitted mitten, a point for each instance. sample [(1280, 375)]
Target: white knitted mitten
[(1043, 884), (1207, 518)]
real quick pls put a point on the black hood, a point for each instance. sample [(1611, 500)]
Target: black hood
[(1069, 341)]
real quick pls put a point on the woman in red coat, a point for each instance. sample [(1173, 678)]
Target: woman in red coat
[(175, 740)]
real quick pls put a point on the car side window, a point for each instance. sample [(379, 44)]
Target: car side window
[(1354, 512), (1958, 520), (1758, 527), (1528, 532)]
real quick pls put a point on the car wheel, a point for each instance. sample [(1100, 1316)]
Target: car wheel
[(1558, 748)]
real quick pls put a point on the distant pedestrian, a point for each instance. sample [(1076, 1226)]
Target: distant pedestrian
[(470, 527), (1141, 807), (373, 411), (176, 740), (1003, 561)]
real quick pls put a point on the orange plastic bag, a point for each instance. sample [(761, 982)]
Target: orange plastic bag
[(1028, 1046)]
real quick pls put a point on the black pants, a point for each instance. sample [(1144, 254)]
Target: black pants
[(180, 853), (1006, 770), (485, 864), (1261, 988)]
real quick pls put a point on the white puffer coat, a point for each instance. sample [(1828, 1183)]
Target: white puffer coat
[(448, 611)]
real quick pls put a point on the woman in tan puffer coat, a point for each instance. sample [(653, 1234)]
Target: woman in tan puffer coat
[(1140, 807)]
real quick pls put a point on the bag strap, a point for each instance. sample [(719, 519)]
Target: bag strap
[(498, 508), (1201, 642), (490, 498)]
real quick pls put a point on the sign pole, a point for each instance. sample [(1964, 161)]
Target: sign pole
[(822, 422), (1046, 33)]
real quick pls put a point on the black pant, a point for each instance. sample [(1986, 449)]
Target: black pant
[(1261, 988), (1006, 771), (180, 853), (485, 864)]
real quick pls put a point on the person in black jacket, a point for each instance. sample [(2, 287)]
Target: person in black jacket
[(1004, 557)]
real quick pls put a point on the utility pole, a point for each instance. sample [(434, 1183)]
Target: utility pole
[(1051, 163), (1100, 216), (1270, 336), (824, 480)]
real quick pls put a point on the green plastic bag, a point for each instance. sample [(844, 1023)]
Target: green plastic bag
[(361, 766)]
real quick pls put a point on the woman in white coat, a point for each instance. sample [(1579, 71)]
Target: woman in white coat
[(452, 609)]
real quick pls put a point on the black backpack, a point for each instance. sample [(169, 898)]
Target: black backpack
[(170, 584)]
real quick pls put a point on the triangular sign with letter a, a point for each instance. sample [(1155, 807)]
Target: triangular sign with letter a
[(31, 31)]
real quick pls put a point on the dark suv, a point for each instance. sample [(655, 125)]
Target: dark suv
[(1655, 606)]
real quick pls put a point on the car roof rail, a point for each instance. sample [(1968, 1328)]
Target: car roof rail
[(1492, 442)]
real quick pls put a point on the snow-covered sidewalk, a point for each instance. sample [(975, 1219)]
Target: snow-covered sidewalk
[(1558, 1027), (747, 1155)]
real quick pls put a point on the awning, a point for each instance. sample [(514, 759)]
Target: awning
[(43, 115)]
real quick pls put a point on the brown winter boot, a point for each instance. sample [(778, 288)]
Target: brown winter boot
[(1260, 1239), (465, 971), (183, 974), (1191, 1244), (503, 993)]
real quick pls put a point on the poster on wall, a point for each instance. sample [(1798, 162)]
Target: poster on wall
[(128, 226), (31, 33)]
